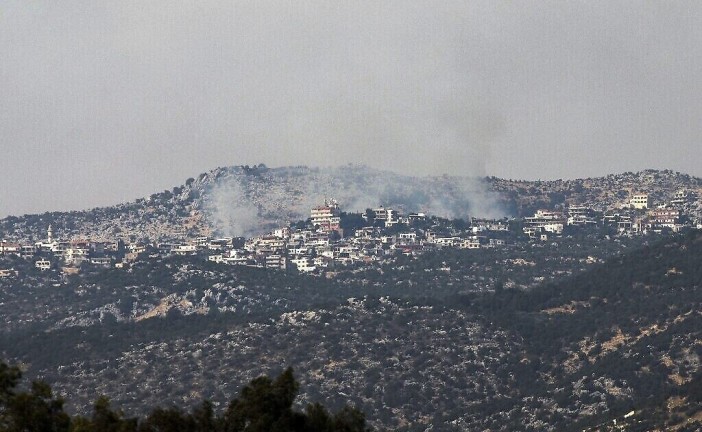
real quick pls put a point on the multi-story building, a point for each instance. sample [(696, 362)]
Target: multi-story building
[(666, 217), (303, 264), (640, 201), (387, 216), (276, 261), (580, 216), (43, 264), (679, 198), (327, 217), (469, 243), (408, 238), (544, 220), (9, 248)]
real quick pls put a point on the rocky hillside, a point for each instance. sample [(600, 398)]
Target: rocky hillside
[(600, 193), (243, 200), (413, 344)]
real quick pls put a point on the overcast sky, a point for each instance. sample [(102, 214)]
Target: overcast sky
[(106, 101)]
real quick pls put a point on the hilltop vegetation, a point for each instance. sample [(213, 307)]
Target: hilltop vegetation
[(243, 200), (601, 193)]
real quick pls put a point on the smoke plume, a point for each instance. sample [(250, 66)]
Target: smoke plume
[(243, 201)]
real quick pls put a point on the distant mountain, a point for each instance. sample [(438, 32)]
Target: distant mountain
[(242, 200)]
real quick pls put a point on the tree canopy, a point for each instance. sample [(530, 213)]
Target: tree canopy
[(264, 405)]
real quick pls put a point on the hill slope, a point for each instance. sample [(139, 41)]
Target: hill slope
[(410, 350), (244, 200)]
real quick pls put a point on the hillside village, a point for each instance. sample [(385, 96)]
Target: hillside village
[(331, 238), (534, 335), (574, 309)]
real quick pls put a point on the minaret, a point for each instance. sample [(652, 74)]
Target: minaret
[(49, 234)]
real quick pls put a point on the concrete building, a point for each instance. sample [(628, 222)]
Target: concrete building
[(666, 217), (387, 216), (43, 264), (544, 220), (327, 217), (640, 201), (276, 261), (303, 264)]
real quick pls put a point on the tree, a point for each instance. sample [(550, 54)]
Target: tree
[(349, 420), (265, 405), (9, 378), (37, 410), (350, 222), (34, 411), (203, 416), (318, 419), (107, 420), (168, 420)]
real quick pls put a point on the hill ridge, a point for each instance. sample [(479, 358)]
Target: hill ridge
[(240, 200)]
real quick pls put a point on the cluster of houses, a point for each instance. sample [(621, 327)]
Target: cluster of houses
[(320, 244), (70, 255), (383, 232), (52, 252), (640, 216), (323, 242)]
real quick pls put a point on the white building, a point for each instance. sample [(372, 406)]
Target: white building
[(276, 261), (544, 220), (102, 261), (580, 216), (43, 264), (387, 215), (680, 198), (49, 243), (8, 273), (469, 243), (303, 264), (216, 258), (7, 248), (408, 238), (75, 256), (184, 249), (640, 201)]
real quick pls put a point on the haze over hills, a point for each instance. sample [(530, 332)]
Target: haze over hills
[(243, 200), (431, 298)]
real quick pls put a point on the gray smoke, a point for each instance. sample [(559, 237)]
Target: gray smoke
[(246, 201), (230, 209), (106, 101)]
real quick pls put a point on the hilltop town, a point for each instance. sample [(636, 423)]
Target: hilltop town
[(332, 238), (570, 310)]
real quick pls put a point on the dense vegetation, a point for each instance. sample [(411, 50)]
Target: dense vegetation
[(264, 405), (563, 335)]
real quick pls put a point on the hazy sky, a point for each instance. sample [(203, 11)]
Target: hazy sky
[(107, 101)]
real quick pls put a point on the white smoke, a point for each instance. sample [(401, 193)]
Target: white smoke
[(241, 202), (230, 209)]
